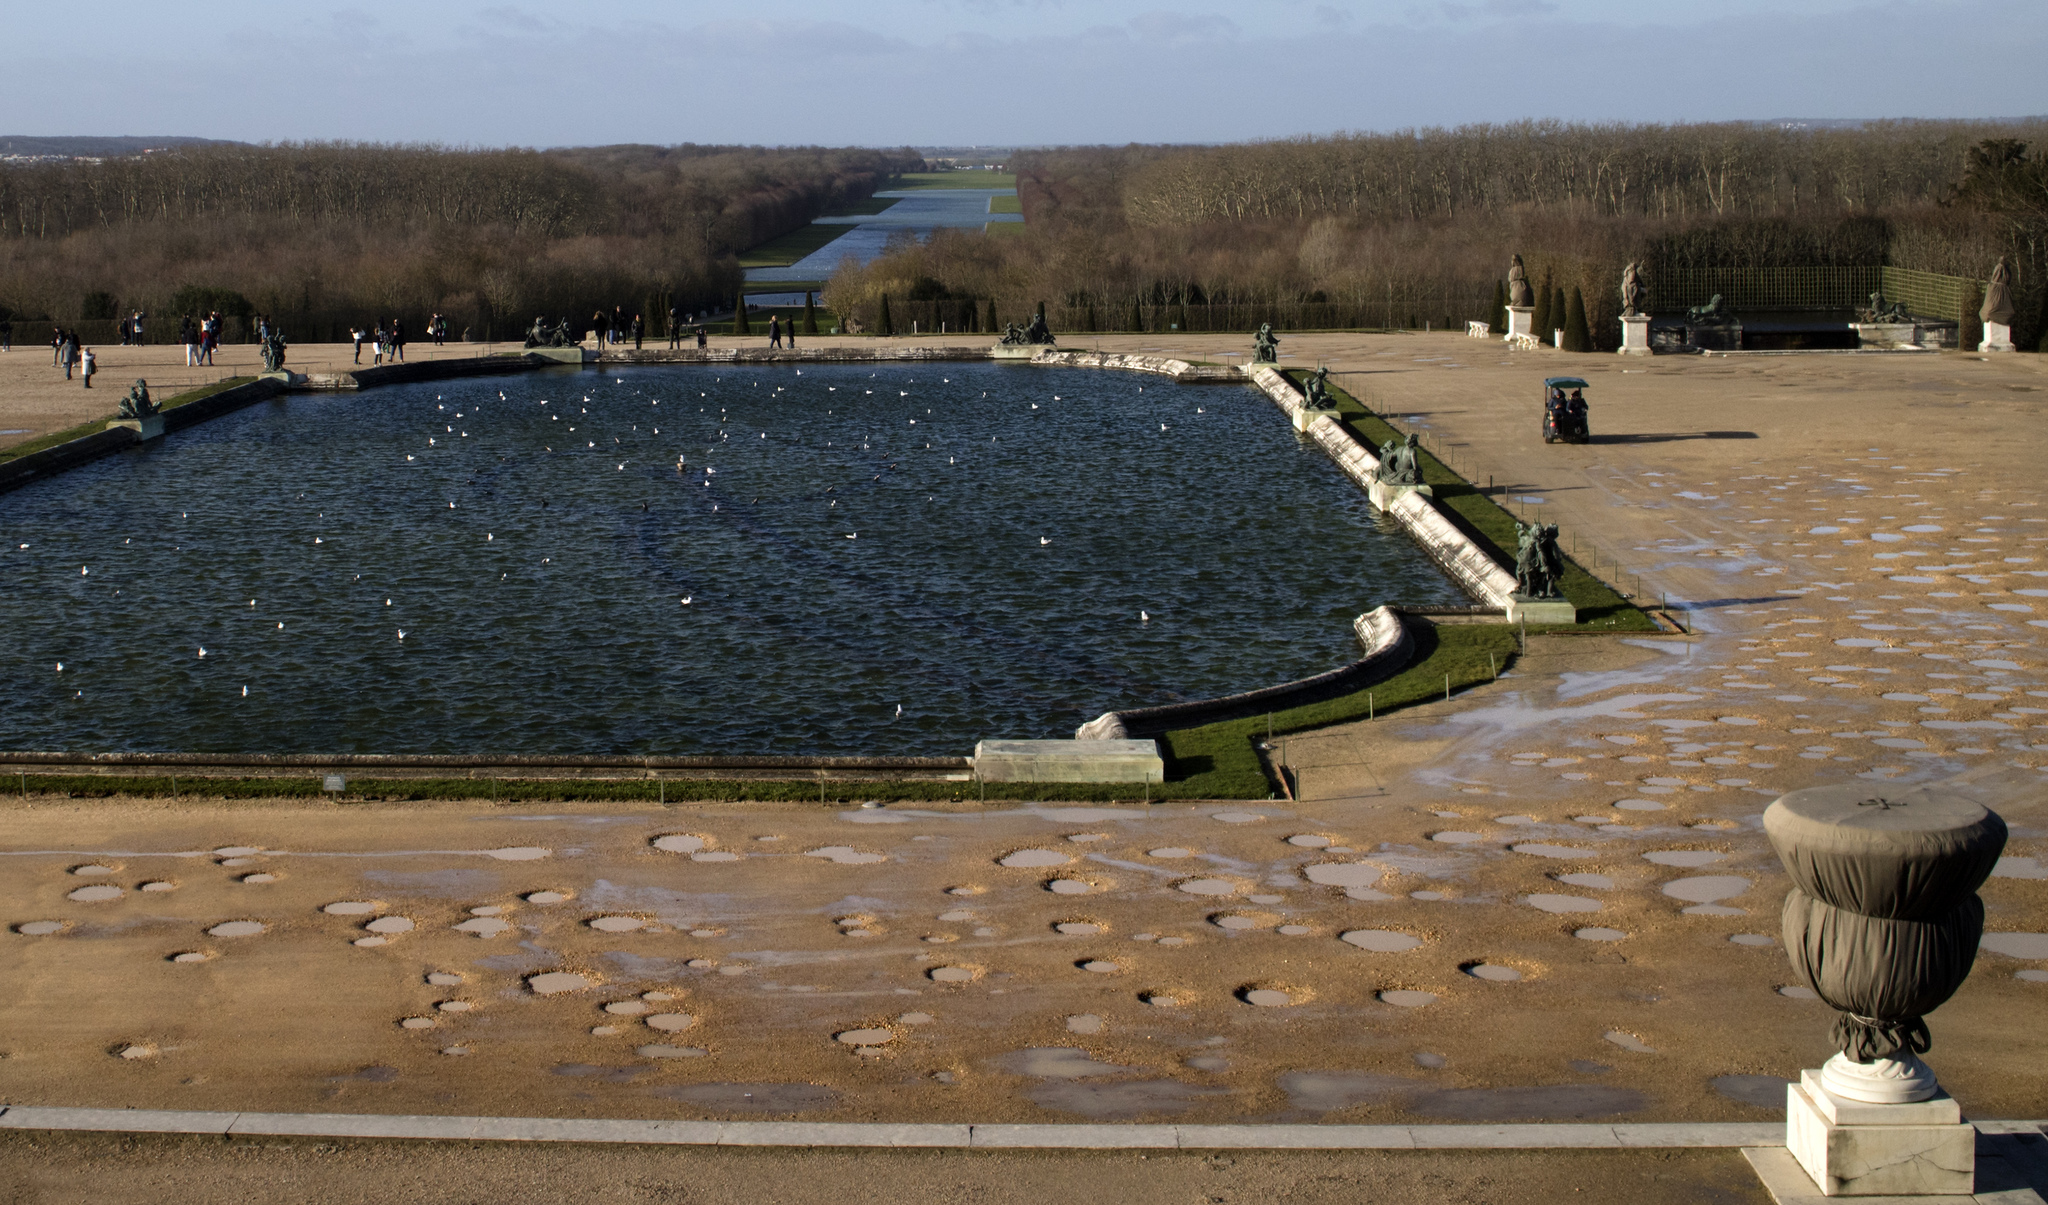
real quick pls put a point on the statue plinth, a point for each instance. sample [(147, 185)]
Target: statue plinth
[(1521, 320), (1900, 336), (1635, 335), (564, 355), (282, 376), (1384, 494), (1997, 337), (1854, 1148), (1305, 417), (144, 428), (1013, 351), (1524, 609)]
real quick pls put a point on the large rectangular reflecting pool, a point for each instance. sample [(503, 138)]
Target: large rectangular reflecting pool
[(837, 559)]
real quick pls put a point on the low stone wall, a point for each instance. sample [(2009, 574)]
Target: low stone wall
[(1180, 370), (878, 354), (1472, 567), (1381, 632)]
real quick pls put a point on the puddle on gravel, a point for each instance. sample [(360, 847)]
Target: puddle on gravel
[(1056, 1062), (1763, 1091), (610, 1075), (1120, 1102), (1382, 941), (752, 1098)]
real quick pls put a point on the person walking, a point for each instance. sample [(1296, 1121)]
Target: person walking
[(355, 336), (88, 364), (67, 352), (397, 340), (639, 331), (135, 328), (702, 342), (598, 325), (775, 331), (675, 329), (619, 324), (188, 335), (6, 333), (209, 336)]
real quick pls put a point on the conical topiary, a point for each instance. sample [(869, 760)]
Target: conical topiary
[(1539, 322), (1577, 335), (1137, 319), (739, 316), (882, 322), (1558, 306), (1498, 316), (993, 325), (810, 315)]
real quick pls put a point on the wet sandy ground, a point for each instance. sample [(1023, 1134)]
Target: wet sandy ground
[(59, 1169), (1547, 899)]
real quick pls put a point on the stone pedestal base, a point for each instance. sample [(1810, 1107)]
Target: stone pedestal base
[(1304, 418), (1521, 320), (1886, 334), (1852, 1149), (144, 428), (283, 377), (1069, 761), (1383, 496), (1012, 351), (1997, 337), (1635, 335), (564, 355), (1523, 609)]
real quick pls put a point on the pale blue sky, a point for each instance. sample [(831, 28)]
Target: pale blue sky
[(892, 72)]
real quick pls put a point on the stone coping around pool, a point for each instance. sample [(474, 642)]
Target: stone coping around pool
[(470, 761), (880, 354), (963, 1135), (1470, 566), (1381, 632)]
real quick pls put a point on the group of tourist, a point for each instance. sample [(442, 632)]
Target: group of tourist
[(130, 329), (388, 338), (437, 329), (615, 328), (199, 338), (69, 354), (777, 331)]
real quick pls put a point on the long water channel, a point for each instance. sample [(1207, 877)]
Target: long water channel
[(838, 559)]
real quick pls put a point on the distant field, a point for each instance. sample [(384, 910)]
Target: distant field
[(863, 209), (791, 247), (1003, 228), (786, 250), (1005, 205), (968, 179)]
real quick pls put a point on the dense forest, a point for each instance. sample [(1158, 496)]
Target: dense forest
[(326, 234), (1400, 229)]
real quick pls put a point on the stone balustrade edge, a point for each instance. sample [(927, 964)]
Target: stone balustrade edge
[(958, 1135)]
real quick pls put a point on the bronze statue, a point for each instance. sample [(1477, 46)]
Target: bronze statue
[(1399, 464), (1716, 310), (562, 337), (1539, 567), (1998, 296), (1266, 345), (537, 334), (1519, 292), (1316, 390), (1033, 334), (137, 404), (1880, 310), (1012, 334), (273, 350), (1635, 291)]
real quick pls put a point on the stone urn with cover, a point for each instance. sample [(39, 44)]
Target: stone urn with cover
[(1882, 923)]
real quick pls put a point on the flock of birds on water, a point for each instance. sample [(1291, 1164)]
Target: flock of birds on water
[(721, 436)]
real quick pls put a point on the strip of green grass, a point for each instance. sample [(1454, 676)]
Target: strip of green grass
[(791, 247), (1005, 205), (1005, 228), (1599, 605), (1221, 761), (866, 208), (95, 426), (909, 181)]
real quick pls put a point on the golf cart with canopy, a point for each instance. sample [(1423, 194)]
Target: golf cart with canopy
[(1564, 411)]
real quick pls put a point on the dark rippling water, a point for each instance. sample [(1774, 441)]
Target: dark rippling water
[(545, 612)]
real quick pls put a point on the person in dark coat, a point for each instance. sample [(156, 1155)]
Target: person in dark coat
[(639, 331)]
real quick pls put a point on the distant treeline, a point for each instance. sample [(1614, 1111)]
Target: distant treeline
[(1399, 228), (335, 232)]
